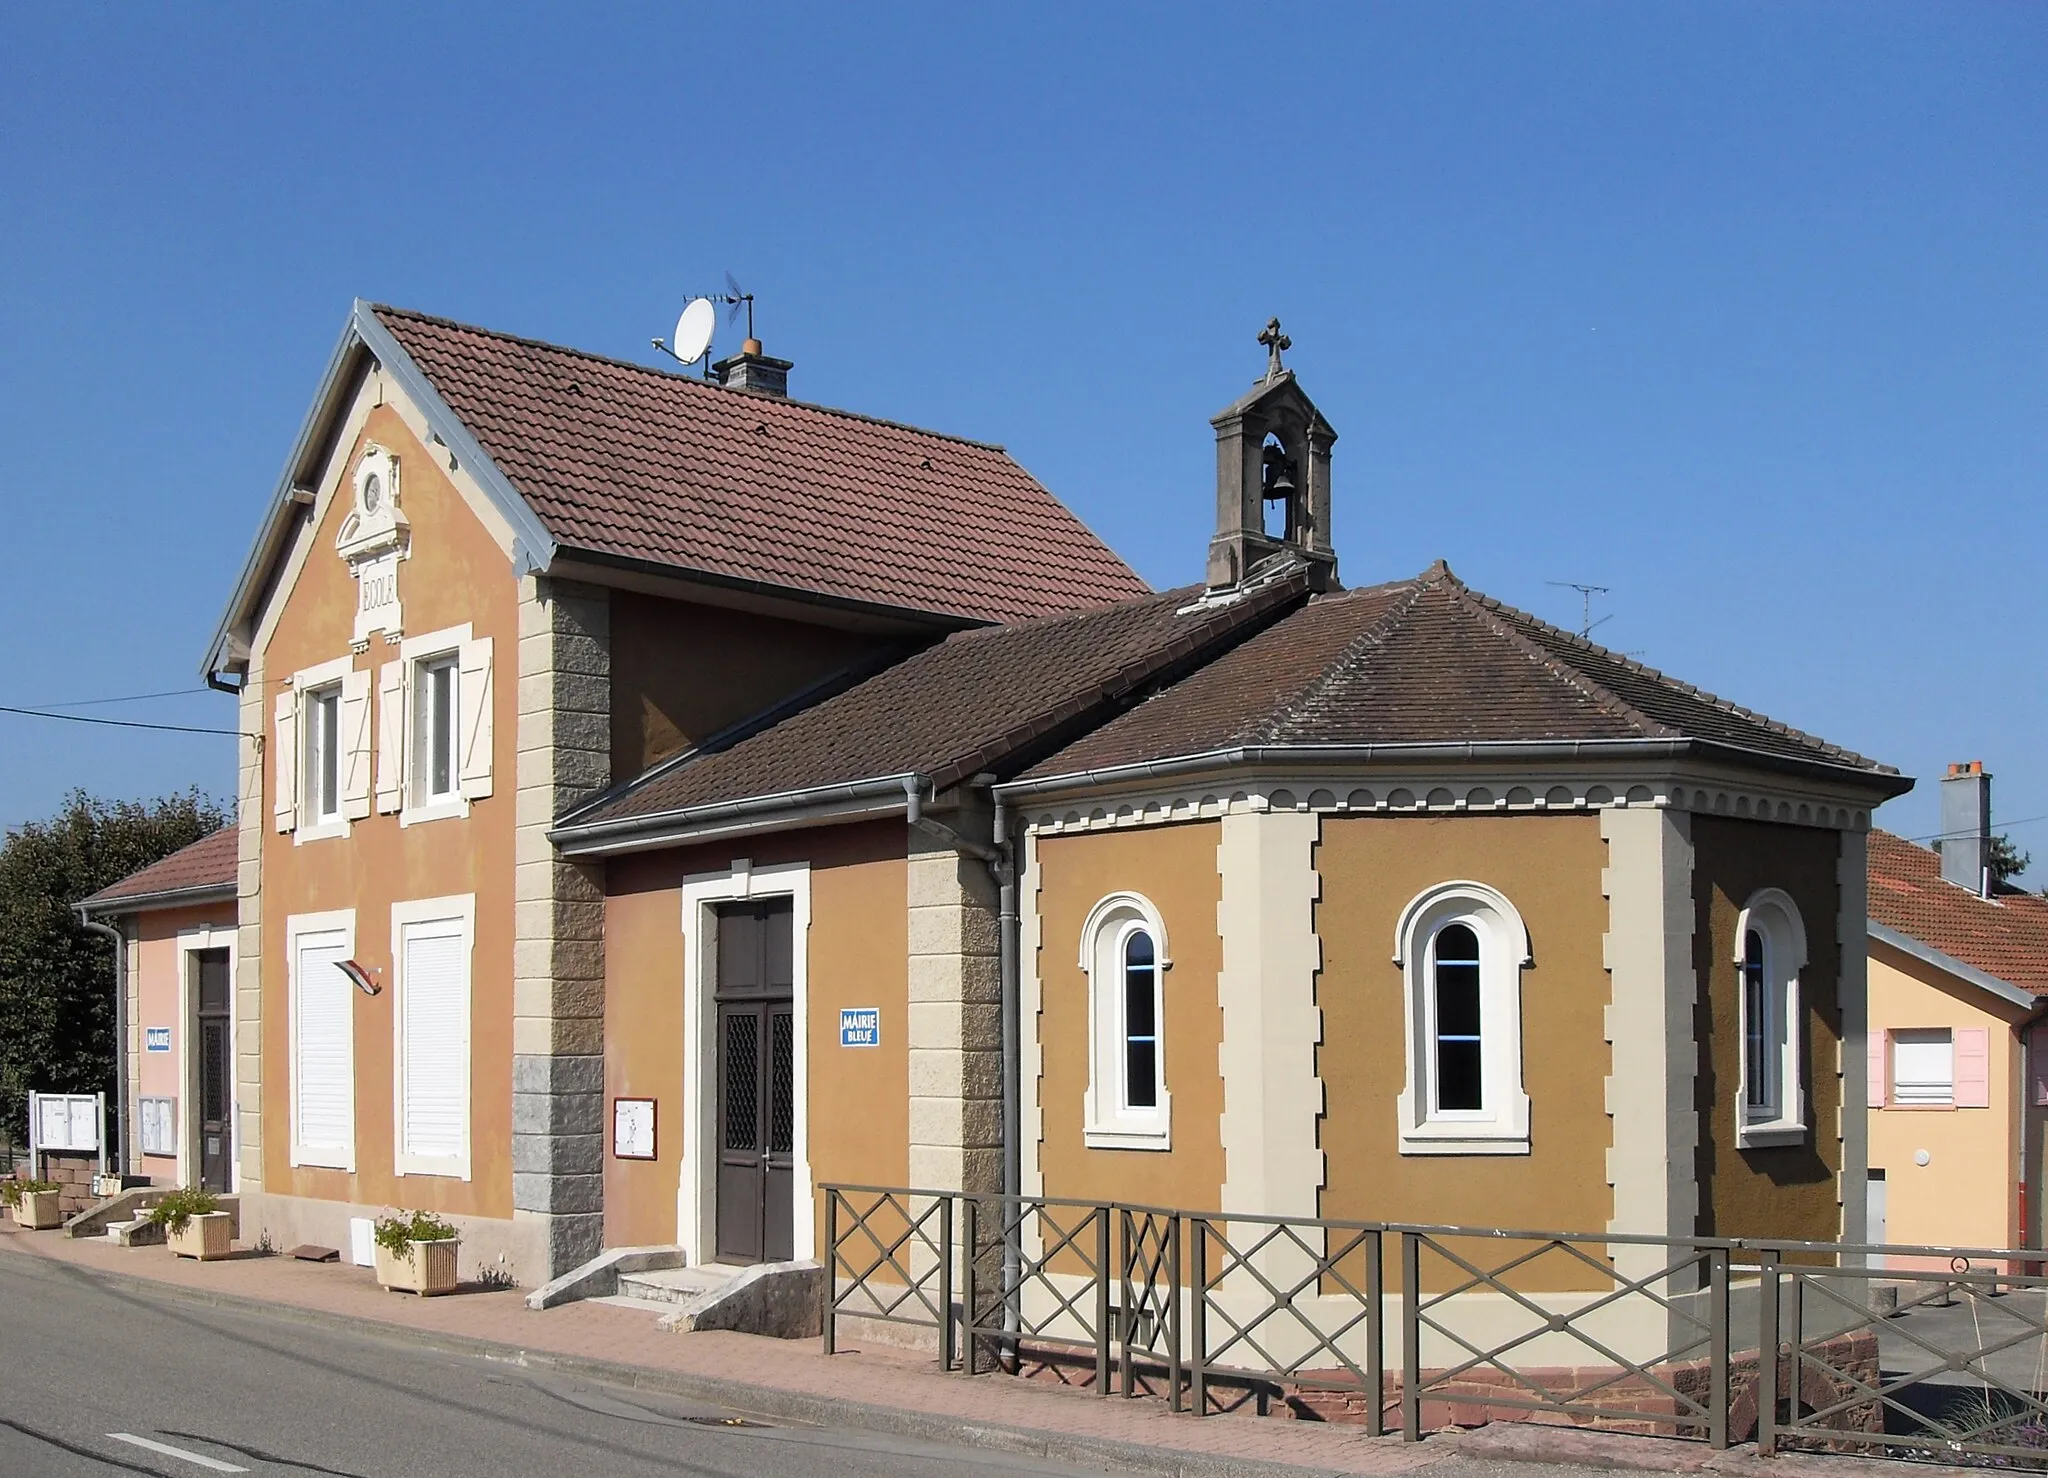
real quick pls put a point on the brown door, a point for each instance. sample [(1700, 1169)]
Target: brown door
[(756, 1043), (216, 1133)]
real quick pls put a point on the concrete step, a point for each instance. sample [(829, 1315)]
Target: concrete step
[(676, 1286), (138, 1233)]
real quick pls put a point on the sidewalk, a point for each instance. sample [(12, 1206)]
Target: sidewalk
[(877, 1389)]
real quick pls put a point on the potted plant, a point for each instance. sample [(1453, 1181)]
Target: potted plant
[(194, 1225), (416, 1253), (33, 1203)]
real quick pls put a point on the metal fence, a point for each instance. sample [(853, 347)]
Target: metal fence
[(1407, 1327)]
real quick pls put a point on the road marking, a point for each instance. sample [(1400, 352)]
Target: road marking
[(177, 1452)]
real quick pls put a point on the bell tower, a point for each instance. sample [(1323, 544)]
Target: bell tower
[(1272, 478)]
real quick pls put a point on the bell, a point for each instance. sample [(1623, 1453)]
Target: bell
[(1277, 471)]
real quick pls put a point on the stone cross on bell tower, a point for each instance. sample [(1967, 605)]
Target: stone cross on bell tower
[(1272, 450)]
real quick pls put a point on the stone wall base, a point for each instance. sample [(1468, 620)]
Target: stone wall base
[(490, 1246)]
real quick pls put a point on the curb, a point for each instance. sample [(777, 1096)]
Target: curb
[(748, 1400)]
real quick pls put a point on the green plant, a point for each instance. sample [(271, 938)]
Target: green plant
[(396, 1234), (176, 1210), (11, 1191)]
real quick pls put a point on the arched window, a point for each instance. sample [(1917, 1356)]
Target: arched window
[(1123, 949), (1461, 946), (1770, 950)]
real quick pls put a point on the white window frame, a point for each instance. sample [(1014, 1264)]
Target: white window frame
[(1109, 1122), (414, 652), (1771, 914), (1919, 1036), (313, 827), (410, 913), (1501, 1127), (297, 926)]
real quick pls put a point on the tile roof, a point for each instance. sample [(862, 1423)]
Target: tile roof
[(987, 699), (206, 866), (1425, 661), (2005, 935), (623, 460)]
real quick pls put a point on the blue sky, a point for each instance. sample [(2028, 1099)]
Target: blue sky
[(1736, 309)]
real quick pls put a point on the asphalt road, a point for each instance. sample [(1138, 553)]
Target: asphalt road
[(80, 1363)]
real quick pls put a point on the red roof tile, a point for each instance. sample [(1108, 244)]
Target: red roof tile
[(206, 866), (2005, 935), (624, 460)]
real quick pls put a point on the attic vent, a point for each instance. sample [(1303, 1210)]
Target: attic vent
[(925, 463)]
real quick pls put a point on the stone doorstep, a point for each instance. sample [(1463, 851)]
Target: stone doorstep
[(141, 1232), (676, 1286)]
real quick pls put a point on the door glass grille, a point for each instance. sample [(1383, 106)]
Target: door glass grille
[(781, 1083), (742, 1081), (213, 1040)]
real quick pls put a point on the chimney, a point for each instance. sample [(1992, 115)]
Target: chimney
[(750, 369), (1966, 827)]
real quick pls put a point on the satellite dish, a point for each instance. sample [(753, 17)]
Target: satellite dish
[(694, 329)]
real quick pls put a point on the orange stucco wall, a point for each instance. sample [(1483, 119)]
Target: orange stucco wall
[(1787, 1191), (856, 955), (1174, 867), (456, 573)]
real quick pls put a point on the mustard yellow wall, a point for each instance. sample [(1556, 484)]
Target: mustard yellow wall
[(456, 573), (1786, 1191), (1175, 867), (1966, 1195), (1549, 868)]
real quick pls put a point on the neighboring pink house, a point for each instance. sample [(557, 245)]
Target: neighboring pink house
[(177, 1080)]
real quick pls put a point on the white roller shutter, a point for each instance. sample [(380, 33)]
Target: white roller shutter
[(284, 760), (323, 1053), (473, 738), (355, 745), (391, 736), (434, 1046)]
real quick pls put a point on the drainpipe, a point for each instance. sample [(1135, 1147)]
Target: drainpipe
[(120, 1034)]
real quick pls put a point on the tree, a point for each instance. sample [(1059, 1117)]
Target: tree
[(56, 979), (2005, 860)]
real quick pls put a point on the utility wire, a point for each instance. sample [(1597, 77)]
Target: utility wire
[(114, 723), (1997, 826), (131, 698)]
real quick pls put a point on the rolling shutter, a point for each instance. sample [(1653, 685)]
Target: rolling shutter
[(434, 1045), (1878, 1073), (284, 760), (324, 1052), (391, 736), (1973, 1067), (355, 745), (473, 738)]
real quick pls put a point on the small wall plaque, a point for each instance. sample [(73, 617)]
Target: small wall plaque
[(156, 1039), (632, 1128), (860, 1026)]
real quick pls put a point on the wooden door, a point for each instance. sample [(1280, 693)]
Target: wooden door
[(755, 1041), (216, 1064)]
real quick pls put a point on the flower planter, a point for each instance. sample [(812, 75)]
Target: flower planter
[(207, 1236), (425, 1268), (37, 1211)]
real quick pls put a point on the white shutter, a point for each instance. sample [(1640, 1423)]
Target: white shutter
[(284, 760), (473, 738), (434, 1044), (355, 745), (391, 736), (324, 1052)]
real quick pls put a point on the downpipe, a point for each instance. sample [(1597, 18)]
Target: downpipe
[(94, 926)]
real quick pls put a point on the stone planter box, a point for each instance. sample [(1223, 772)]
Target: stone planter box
[(38, 1211), (206, 1237), (430, 1269)]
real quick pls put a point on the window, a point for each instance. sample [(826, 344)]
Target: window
[(1770, 950), (322, 1039), (1923, 1067), (431, 943), (321, 755), (1461, 946), (1123, 951), (434, 726), (322, 718)]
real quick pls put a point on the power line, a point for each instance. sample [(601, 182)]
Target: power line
[(114, 723), (131, 698), (1999, 825)]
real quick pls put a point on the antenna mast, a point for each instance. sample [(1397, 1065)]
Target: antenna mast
[(1586, 594)]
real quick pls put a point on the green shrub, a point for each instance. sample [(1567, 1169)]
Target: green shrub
[(397, 1233), (176, 1210), (11, 1191)]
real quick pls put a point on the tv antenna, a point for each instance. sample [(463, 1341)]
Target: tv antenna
[(1586, 594), (734, 295)]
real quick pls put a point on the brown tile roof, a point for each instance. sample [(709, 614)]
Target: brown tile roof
[(623, 460), (2005, 935), (1417, 662), (986, 699), (206, 866)]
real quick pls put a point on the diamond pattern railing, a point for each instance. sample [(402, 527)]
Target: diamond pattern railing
[(889, 1258)]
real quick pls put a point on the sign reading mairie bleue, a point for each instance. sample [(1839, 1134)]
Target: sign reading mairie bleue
[(860, 1026)]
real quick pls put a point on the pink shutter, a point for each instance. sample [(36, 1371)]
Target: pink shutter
[(1973, 1067), (1876, 1072)]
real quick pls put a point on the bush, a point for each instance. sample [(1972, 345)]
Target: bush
[(175, 1211), (11, 1191), (397, 1233)]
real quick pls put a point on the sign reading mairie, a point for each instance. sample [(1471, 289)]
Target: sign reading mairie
[(375, 538)]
